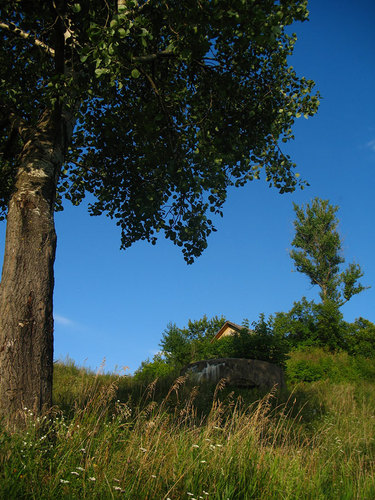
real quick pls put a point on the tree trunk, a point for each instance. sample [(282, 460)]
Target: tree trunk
[(26, 288)]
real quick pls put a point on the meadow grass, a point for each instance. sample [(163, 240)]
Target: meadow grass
[(108, 437)]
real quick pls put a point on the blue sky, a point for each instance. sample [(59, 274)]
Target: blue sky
[(115, 304)]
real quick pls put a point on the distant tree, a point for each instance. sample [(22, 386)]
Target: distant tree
[(320, 252), (155, 108), (182, 346), (360, 338), (273, 345), (298, 325), (311, 324)]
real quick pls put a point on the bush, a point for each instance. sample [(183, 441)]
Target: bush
[(151, 370), (360, 338), (310, 364)]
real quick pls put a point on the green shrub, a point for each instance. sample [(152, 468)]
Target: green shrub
[(310, 364), (151, 370)]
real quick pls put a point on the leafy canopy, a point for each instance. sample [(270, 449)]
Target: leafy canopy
[(173, 102)]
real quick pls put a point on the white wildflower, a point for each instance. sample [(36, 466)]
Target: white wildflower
[(63, 481), (195, 446), (92, 478), (74, 473), (143, 449)]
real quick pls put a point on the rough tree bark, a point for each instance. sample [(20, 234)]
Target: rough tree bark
[(26, 288)]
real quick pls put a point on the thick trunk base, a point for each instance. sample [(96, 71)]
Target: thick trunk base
[(26, 320), (26, 289)]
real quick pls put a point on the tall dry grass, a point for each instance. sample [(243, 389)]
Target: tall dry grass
[(317, 443)]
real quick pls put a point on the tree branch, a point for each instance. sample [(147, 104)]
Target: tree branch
[(12, 28), (163, 107), (153, 57)]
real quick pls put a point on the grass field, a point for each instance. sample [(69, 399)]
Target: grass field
[(109, 437)]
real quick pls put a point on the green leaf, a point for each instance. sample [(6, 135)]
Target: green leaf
[(135, 73), (76, 8), (101, 71)]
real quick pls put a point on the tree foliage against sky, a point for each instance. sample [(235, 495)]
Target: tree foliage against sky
[(318, 252), (172, 102)]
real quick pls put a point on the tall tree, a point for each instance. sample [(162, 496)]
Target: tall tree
[(320, 254), (155, 108)]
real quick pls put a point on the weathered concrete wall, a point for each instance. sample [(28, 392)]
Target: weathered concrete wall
[(238, 371)]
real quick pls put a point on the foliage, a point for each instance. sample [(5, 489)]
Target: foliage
[(360, 338), (182, 346), (193, 343), (142, 449), (172, 104), (315, 363), (311, 324), (320, 256), (154, 369), (261, 342)]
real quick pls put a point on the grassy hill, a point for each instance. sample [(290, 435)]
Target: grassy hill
[(112, 437)]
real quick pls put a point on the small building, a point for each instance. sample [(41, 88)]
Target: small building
[(228, 328)]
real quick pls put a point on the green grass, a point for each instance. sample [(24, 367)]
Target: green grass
[(110, 437)]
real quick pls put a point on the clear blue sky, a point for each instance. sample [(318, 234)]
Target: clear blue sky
[(115, 305)]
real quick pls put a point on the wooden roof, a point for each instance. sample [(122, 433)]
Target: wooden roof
[(230, 325)]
